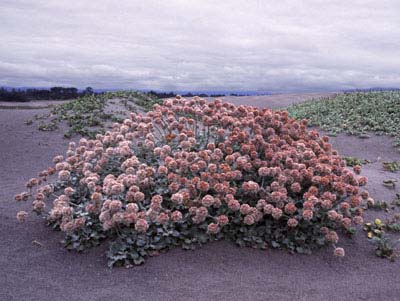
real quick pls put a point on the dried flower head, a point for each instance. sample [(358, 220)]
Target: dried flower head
[(21, 216)]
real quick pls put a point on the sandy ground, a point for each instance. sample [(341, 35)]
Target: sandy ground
[(218, 271), (277, 100), (31, 104)]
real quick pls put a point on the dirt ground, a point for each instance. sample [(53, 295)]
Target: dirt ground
[(218, 271)]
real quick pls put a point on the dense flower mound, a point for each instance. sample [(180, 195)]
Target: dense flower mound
[(192, 171)]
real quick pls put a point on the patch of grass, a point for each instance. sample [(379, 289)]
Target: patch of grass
[(354, 113)]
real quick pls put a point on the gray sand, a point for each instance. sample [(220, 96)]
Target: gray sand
[(277, 100)]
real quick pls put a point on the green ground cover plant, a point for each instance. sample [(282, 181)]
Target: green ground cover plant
[(353, 161), (381, 233), (391, 166), (88, 115), (354, 113)]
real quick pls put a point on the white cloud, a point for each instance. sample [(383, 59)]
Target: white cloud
[(201, 45)]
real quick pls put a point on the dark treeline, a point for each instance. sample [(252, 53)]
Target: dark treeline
[(54, 93), (373, 89), (63, 93), (162, 94), (172, 94)]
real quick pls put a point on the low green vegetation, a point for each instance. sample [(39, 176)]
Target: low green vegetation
[(391, 166), (90, 114), (384, 205), (378, 231), (144, 100), (353, 161), (354, 113), (389, 183), (385, 247)]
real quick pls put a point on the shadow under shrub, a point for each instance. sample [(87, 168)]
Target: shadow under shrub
[(189, 172)]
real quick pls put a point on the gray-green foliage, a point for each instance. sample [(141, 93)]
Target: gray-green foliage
[(87, 115), (391, 166), (353, 161), (354, 113)]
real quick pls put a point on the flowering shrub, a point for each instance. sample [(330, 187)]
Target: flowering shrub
[(190, 172)]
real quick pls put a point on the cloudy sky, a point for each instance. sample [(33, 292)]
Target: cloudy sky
[(201, 45)]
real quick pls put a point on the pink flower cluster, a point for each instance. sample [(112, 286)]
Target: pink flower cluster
[(204, 163)]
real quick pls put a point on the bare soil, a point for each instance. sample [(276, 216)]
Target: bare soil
[(35, 266)]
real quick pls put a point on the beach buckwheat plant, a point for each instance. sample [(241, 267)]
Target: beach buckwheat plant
[(189, 172)]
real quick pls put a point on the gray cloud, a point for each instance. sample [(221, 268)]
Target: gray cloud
[(201, 45)]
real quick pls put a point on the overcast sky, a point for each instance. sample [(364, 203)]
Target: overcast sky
[(201, 45)]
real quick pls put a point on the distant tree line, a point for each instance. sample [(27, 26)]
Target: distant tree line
[(54, 93), (162, 94), (65, 93), (172, 94), (373, 89)]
